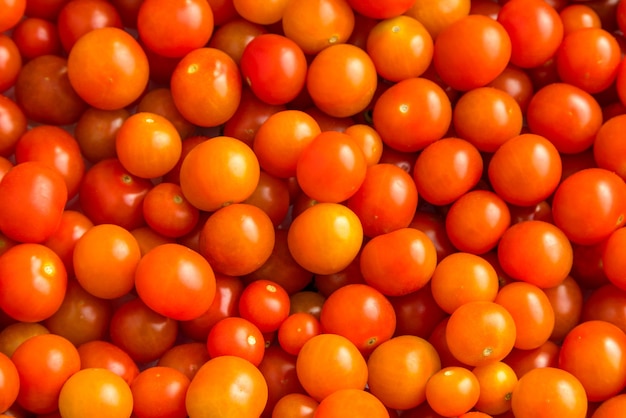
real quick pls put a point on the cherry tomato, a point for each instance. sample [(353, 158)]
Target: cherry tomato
[(174, 28), (34, 197), (274, 67)]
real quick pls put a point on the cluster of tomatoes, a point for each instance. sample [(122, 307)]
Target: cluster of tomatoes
[(312, 208)]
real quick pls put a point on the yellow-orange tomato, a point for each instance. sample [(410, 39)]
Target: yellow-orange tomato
[(219, 171), (108, 68), (332, 227), (400, 48), (227, 387), (328, 363), (206, 87), (148, 145), (342, 80), (95, 389), (408, 359)]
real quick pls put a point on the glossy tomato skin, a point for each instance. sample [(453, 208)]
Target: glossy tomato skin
[(33, 281), (274, 67), (589, 205), (174, 28), (463, 57), (386, 200), (33, 198), (56, 148), (44, 91), (345, 307), (202, 74), (113, 54), (412, 114), (110, 194)]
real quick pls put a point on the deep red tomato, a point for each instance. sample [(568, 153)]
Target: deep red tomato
[(380, 10), (279, 370), (106, 355), (265, 304), (33, 199), (225, 304), (76, 18), (141, 332), (236, 336), (274, 67), (110, 194), (35, 37), (44, 91)]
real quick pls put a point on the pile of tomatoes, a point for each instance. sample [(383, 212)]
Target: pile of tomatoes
[(313, 208)]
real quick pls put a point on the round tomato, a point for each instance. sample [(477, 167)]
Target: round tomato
[(274, 67), (110, 54), (33, 280), (344, 309), (408, 359), (161, 389), (34, 197), (219, 171), (206, 87), (535, 30), (328, 363), (227, 383), (589, 205), (174, 28), (91, 388), (471, 52), (412, 114), (317, 24), (341, 80), (332, 226), (607, 342), (185, 287), (111, 194), (406, 254)]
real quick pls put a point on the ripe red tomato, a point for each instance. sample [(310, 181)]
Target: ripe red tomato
[(33, 198), (33, 281), (589, 205), (535, 30), (412, 114), (110, 194), (206, 87), (174, 28), (344, 309), (471, 52), (186, 283), (274, 67)]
